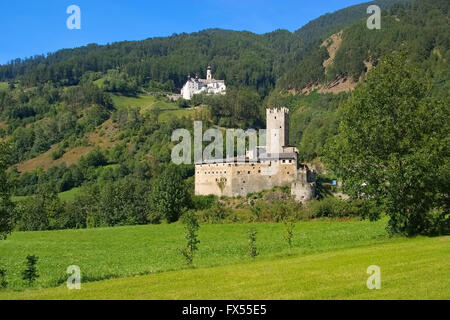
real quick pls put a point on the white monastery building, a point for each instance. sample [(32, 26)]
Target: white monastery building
[(208, 85)]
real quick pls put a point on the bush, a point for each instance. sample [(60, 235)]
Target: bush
[(30, 273), (252, 250), (3, 282), (329, 207), (57, 154), (191, 224)]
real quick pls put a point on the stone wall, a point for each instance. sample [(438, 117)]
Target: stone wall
[(240, 179)]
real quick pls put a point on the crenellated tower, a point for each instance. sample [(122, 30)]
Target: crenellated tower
[(277, 130)]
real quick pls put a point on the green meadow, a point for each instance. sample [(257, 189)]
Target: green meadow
[(143, 102), (417, 268), (66, 195), (139, 250)]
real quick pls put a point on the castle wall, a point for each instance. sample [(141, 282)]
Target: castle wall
[(239, 179)]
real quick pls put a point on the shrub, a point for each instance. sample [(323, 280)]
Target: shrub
[(191, 225), (3, 282), (289, 232), (30, 273), (57, 154), (252, 250)]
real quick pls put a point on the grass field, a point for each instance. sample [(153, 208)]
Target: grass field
[(410, 269), (69, 195), (4, 85), (66, 196), (143, 102), (139, 250)]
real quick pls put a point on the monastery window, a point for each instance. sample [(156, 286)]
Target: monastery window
[(288, 172), (259, 171), (249, 172)]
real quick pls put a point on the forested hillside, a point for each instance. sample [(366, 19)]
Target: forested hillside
[(241, 58), (95, 123)]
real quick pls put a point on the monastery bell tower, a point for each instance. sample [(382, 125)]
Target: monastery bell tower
[(208, 74)]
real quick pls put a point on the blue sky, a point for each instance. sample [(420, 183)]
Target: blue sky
[(32, 27)]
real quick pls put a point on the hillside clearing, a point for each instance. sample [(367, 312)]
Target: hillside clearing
[(332, 44), (410, 269), (143, 102), (102, 137)]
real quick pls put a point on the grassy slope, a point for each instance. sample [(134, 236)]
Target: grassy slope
[(126, 251), (410, 269), (143, 102), (67, 195), (168, 110)]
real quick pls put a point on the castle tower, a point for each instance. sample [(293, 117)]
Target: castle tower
[(277, 130), (208, 74)]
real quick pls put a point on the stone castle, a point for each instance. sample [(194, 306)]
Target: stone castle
[(275, 164), (208, 85)]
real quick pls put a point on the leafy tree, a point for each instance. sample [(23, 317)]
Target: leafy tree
[(393, 147), (43, 211), (30, 274), (6, 206), (289, 232), (170, 196), (191, 225), (124, 202)]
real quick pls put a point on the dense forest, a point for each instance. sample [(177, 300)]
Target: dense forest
[(71, 99), (241, 58)]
